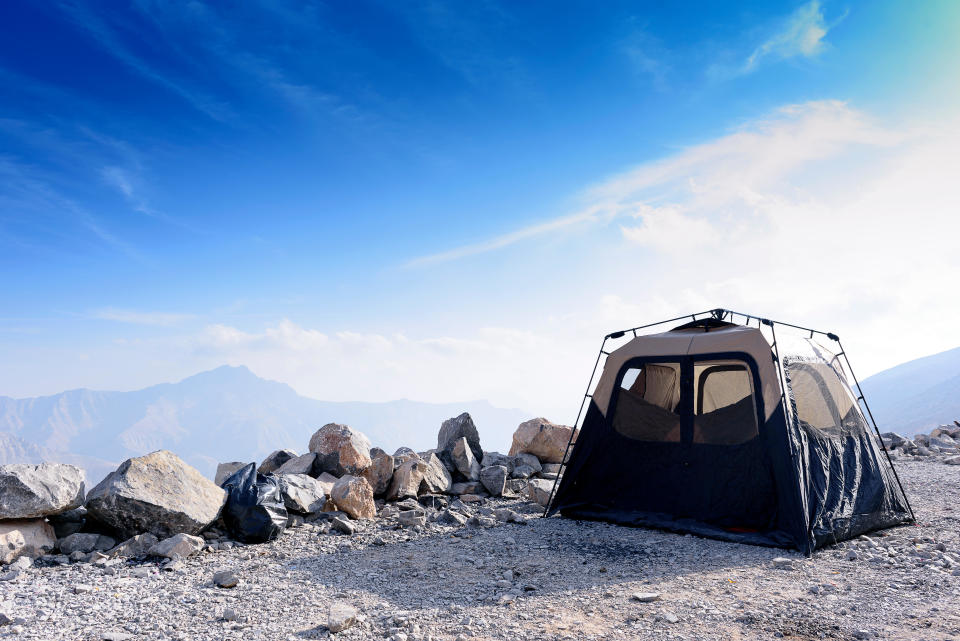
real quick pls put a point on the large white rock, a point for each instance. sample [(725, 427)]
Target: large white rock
[(303, 464), (31, 491), (353, 495), (538, 491), (436, 479), (303, 494), (156, 493), (420, 476), (341, 450), (177, 546), (28, 537), (542, 438), (464, 461)]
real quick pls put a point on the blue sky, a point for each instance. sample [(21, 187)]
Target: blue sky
[(335, 194)]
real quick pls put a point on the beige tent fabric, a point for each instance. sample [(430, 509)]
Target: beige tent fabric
[(749, 340)]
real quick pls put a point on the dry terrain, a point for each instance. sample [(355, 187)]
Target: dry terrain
[(541, 579)]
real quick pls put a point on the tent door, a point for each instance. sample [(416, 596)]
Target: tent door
[(690, 428)]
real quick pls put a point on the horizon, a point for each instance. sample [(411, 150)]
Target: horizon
[(379, 202)]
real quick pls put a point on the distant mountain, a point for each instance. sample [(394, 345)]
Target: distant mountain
[(226, 414), (918, 395)]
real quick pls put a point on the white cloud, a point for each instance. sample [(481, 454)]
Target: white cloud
[(816, 214), (800, 35)]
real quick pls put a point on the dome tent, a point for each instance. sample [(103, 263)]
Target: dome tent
[(714, 429)]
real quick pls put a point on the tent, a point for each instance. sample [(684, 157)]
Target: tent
[(727, 430)]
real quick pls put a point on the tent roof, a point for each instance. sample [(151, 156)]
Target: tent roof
[(692, 340)]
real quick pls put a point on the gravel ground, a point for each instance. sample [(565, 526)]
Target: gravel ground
[(538, 579)]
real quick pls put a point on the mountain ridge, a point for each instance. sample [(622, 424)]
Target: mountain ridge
[(227, 413)]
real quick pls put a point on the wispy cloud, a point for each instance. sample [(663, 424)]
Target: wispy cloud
[(160, 319), (716, 171), (800, 35), (106, 36), (590, 214), (28, 199)]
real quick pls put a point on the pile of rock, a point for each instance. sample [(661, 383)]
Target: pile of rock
[(157, 505), (941, 443)]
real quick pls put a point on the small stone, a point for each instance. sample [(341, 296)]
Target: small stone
[(852, 555), (82, 588), (342, 525), (229, 614), (225, 579), (412, 518), (783, 563), (177, 546), (669, 617), (340, 617), (645, 597)]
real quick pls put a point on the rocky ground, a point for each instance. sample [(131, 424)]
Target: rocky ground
[(536, 579)]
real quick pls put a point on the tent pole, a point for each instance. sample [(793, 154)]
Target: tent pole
[(573, 431), (782, 379), (876, 429)]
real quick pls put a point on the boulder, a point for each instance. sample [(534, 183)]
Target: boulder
[(454, 429), (471, 487), (33, 491), (340, 450), (303, 494), (380, 472), (436, 478), (496, 458), (226, 470), (274, 460), (464, 461), (25, 537), (406, 479), (418, 476), (494, 479), (327, 481), (522, 471), (893, 440), (303, 464), (531, 461), (86, 543), (135, 547), (945, 443), (353, 495), (953, 460), (542, 438), (179, 545), (516, 487), (538, 491), (402, 455), (156, 493)]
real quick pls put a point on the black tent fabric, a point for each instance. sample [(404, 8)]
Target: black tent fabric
[(812, 474)]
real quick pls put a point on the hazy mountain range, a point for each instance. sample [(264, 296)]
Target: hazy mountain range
[(917, 395), (230, 414), (226, 414)]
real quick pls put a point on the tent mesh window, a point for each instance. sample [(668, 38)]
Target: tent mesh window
[(824, 403), (648, 404), (726, 413)]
